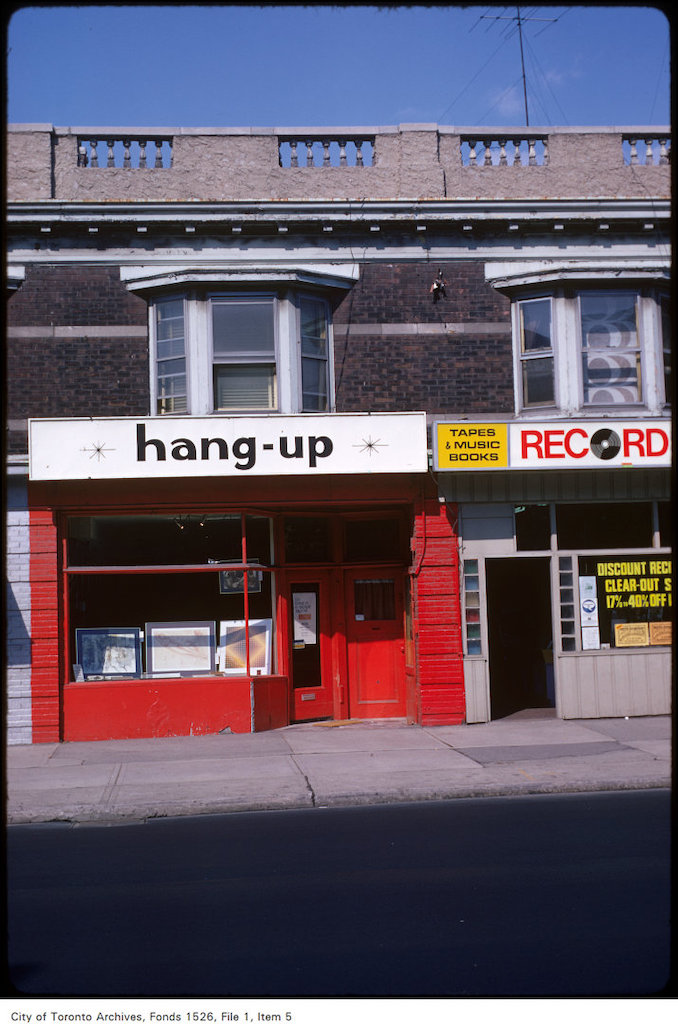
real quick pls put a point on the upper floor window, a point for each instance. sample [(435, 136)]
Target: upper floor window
[(592, 348), (244, 353), (536, 352), (610, 344), (170, 355), (241, 353)]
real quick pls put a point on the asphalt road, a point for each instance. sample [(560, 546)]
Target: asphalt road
[(564, 895)]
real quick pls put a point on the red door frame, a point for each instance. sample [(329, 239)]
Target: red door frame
[(376, 647), (313, 701)]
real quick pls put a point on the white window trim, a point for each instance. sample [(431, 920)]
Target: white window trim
[(153, 351), (641, 348), (199, 350), (329, 362), (563, 285), (205, 354)]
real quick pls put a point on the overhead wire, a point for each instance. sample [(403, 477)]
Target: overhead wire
[(471, 81), (545, 82), (508, 31)]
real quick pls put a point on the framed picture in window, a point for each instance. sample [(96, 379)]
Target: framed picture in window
[(232, 582), (108, 651), (187, 647), (233, 646)]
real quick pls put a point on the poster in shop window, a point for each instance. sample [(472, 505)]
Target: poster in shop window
[(588, 612), (305, 617), (233, 646), (108, 651), (181, 648)]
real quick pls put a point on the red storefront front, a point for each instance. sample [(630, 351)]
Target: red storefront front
[(240, 576)]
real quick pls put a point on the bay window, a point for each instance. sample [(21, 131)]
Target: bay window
[(240, 353), (589, 348)]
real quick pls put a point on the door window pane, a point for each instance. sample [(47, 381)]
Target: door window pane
[(306, 665), (374, 600)]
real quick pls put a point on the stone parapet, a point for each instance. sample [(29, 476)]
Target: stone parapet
[(413, 162)]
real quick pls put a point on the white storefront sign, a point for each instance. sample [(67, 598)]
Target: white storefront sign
[(600, 444), (124, 448), (551, 445)]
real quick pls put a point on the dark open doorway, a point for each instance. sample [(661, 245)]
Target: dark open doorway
[(520, 635)]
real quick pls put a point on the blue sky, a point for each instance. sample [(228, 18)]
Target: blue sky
[(285, 65)]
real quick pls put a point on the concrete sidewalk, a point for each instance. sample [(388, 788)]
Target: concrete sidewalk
[(331, 764)]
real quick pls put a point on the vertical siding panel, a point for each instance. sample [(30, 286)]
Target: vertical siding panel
[(636, 683), (45, 634), (439, 647), (18, 616)]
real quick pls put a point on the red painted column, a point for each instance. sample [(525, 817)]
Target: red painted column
[(44, 580), (440, 669)]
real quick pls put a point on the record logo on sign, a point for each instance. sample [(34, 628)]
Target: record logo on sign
[(605, 444)]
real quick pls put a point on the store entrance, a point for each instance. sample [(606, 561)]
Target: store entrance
[(310, 658), (376, 643), (520, 635), (346, 638)]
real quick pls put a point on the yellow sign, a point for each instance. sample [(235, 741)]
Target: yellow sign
[(471, 446), (631, 635), (661, 633)]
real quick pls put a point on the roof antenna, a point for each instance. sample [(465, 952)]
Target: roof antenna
[(519, 19)]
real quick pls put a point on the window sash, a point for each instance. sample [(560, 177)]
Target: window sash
[(170, 357), (243, 328), (537, 365), (665, 327), (610, 344), (241, 386), (314, 343)]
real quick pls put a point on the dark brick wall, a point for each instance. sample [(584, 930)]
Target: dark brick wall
[(58, 377), (398, 293), (56, 294), (439, 373)]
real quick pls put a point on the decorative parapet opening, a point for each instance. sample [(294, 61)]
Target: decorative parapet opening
[(497, 151), (326, 151), (104, 151), (646, 150)]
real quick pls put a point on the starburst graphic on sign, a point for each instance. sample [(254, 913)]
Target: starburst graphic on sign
[(371, 445), (98, 449)]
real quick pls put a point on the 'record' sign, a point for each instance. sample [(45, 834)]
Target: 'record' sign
[(552, 445)]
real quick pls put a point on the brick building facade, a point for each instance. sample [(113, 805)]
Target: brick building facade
[(406, 423)]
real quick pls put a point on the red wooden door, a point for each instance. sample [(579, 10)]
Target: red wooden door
[(310, 655), (376, 643)]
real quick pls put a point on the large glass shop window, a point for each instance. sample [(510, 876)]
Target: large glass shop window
[(625, 601), (172, 595)]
